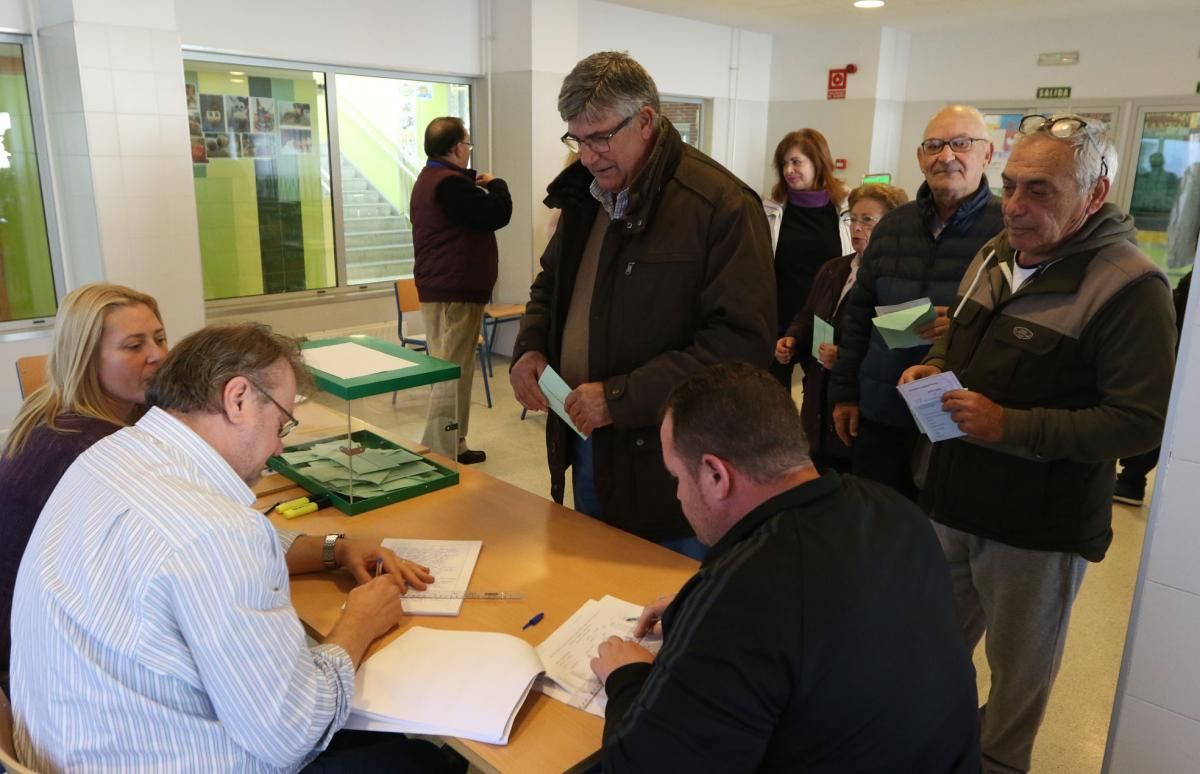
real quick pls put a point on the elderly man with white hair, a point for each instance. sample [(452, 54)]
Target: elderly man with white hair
[(1063, 335)]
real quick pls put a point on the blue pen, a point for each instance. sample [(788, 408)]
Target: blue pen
[(537, 619)]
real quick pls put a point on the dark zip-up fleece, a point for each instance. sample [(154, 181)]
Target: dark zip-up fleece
[(1081, 359), (819, 635)]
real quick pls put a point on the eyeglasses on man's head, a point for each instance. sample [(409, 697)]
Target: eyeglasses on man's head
[(1065, 126), (596, 143)]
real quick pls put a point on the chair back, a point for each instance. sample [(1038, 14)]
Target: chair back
[(31, 373), (407, 299), (8, 748)]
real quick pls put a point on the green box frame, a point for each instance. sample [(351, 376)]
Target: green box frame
[(362, 505), (428, 370)]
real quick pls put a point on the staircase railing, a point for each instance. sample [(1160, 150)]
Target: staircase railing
[(381, 153)]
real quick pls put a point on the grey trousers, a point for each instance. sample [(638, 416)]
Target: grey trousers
[(1023, 599), (452, 331)]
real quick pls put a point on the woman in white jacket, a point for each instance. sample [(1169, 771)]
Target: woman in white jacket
[(804, 213)]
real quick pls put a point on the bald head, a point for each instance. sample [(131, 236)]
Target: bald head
[(960, 115), (953, 176)]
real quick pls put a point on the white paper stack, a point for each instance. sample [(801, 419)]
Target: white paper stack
[(445, 683), (568, 652), (451, 563)]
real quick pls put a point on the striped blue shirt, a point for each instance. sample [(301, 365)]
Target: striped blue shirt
[(152, 621)]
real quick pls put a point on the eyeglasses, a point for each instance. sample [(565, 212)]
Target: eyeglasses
[(467, 143), (597, 143), (933, 146), (866, 221), (287, 426), (1064, 127)]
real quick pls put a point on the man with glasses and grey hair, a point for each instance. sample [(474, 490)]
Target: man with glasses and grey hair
[(660, 266), (919, 250), (1063, 335), (152, 622)]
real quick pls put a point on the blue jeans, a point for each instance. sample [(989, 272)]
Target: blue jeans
[(587, 500)]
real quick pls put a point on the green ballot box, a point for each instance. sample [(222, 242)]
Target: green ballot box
[(359, 469)]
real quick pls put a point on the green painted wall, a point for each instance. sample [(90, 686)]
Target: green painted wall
[(28, 278), (241, 254)]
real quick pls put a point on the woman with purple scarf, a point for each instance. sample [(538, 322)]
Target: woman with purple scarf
[(804, 213)]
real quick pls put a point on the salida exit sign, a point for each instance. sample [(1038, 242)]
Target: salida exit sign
[(1054, 92)]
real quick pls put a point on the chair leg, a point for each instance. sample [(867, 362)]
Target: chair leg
[(524, 411), (487, 390)]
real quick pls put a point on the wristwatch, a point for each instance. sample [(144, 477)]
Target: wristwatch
[(327, 550)]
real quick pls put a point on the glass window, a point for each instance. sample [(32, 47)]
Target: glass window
[(381, 130), (1165, 203), (26, 271), (275, 214), (687, 117), (260, 162)]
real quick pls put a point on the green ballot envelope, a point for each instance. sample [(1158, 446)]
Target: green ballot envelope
[(822, 334), (898, 324)]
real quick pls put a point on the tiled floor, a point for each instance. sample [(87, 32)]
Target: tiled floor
[(1075, 730)]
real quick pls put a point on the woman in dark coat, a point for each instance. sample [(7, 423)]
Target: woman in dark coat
[(868, 204)]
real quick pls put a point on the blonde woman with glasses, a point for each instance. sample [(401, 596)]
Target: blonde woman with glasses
[(108, 342)]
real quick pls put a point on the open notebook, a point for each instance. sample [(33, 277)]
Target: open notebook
[(472, 684)]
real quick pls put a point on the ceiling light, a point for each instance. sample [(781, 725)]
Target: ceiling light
[(868, 3), (236, 72)]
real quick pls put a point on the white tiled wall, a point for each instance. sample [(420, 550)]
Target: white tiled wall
[(1156, 720)]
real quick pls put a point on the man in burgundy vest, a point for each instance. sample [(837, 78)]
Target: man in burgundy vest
[(455, 212)]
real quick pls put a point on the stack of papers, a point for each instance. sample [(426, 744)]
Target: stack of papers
[(351, 360), (451, 563), (446, 683), (568, 652), (373, 472), (898, 323), (924, 399), (471, 684)]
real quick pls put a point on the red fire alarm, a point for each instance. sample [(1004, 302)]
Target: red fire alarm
[(839, 163), (837, 81)]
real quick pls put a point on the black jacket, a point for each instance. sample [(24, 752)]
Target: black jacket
[(685, 281), (1081, 359), (819, 635), (904, 262)]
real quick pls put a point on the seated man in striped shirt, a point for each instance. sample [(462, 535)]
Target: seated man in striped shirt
[(152, 624)]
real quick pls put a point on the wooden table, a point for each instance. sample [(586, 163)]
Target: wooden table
[(556, 557)]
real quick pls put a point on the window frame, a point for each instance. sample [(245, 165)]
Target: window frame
[(342, 291), (18, 330), (703, 130)]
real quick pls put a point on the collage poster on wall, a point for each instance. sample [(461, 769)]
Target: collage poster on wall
[(224, 126)]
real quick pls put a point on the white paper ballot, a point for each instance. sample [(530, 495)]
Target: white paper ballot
[(924, 399), (556, 392), (350, 360), (568, 652), (447, 683), (451, 563)]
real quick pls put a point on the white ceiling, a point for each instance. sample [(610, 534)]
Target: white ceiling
[(773, 15)]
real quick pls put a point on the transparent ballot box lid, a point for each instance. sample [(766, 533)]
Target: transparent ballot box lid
[(380, 427)]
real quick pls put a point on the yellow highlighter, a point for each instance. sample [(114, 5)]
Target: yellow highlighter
[(302, 505)]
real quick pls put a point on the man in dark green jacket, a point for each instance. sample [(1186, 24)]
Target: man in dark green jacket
[(660, 266), (1064, 339)]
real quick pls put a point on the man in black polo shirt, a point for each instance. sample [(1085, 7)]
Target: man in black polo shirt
[(455, 213), (820, 632)]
